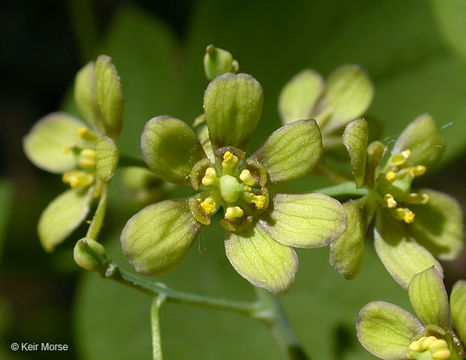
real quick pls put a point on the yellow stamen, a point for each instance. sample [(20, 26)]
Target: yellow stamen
[(208, 205), (209, 177), (86, 134), (438, 348), (247, 178), (233, 213), (66, 149), (406, 153), (418, 199), (400, 159), (419, 170), (259, 201), (87, 159), (229, 160), (77, 178), (391, 176), (405, 214), (390, 201)]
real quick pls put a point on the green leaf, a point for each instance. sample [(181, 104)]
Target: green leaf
[(450, 20), (158, 237), (291, 151), (347, 250), (107, 155), (84, 96), (400, 254), (108, 95), (355, 139), (233, 107), (458, 308), (421, 137), (304, 220), (429, 299), (299, 96), (348, 93), (438, 225), (217, 62), (171, 149), (261, 260), (48, 137), (386, 330), (62, 216)]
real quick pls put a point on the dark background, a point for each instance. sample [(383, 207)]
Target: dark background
[(409, 52)]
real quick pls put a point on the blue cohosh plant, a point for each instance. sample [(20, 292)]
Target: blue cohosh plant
[(438, 332), (411, 225), (262, 226), (85, 154)]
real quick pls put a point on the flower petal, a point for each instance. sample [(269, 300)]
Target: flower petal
[(387, 330), (347, 251), (429, 299), (291, 151), (438, 225), (158, 237), (261, 260), (62, 216), (171, 149), (400, 254), (44, 144), (421, 137), (233, 107), (299, 95), (84, 97), (355, 139), (108, 95), (458, 308), (348, 93), (106, 157), (304, 220)]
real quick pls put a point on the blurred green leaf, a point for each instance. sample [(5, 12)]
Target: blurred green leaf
[(450, 20)]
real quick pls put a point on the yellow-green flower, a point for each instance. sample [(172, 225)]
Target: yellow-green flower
[(411, 225), (438, 332), (85, 156), (261, 227)]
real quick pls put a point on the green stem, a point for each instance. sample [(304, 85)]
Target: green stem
[(98, 219), (113, 272), (275, 319), (126, 161), (347, 189), (155, 326)]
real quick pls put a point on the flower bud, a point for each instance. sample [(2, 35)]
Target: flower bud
[(89, 254), (217, 62)]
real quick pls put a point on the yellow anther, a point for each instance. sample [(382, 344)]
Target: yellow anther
[(77, 178), (229, 160), (400, 159), (405, 214), (390, 201), (391, 176), (86, 134), (406, 153), (419, 170), (259, 201), (247, 178), (233, 213), (66, 149), (87, 159), (418, 199), (209, 177), (436, 348), (208, 205)]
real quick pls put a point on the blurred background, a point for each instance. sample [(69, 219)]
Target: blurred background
[(415, 53)]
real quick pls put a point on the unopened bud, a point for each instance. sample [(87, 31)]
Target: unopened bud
[(217, 62), (90, 255)]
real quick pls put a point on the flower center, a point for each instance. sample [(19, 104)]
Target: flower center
[(233, 186), (85, 157), (394, 185), (428, 348)]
